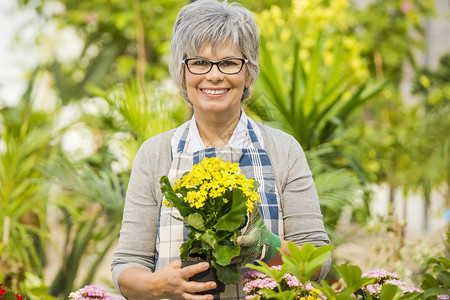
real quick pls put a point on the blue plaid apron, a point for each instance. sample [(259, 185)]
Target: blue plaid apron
[(254, 163)]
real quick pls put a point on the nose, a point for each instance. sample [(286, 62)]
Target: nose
[(214, 74)]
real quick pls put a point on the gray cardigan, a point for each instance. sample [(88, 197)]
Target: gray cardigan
[(299, 201)]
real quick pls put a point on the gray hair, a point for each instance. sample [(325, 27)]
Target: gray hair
[(211, 21)]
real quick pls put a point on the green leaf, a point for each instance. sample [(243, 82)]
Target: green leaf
[(351, 275), (428, 282), (444, 277), (264, 268), (255, 186), (329, 292), (433, 292), (271, 75), (303, 262), (209, 238), (185, 249), (167, 190), (233, 219), (196, 221), (312, 79), (297, 89), (224, 253), (228, 274), (280, 295), (411, 296), (389, 292)]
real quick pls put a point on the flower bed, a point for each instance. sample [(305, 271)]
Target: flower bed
[(292, 279), (91, 292), (10, 295), (255, 282)]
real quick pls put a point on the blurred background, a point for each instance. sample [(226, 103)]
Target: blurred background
[(364, 86)]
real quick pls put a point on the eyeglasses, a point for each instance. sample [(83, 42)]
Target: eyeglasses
[(229, 66)]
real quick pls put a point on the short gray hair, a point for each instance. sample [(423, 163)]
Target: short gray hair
[(211, 21)]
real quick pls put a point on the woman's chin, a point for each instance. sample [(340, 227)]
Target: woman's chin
[(217, 111)]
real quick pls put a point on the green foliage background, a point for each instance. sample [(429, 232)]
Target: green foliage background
[(330, 76)]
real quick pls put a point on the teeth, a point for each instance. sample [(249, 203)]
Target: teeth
[(215, 92)]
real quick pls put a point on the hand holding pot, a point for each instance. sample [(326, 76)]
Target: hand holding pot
[(171, 281), (177, 280)]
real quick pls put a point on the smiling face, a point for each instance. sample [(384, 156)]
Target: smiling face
[(214, 95)]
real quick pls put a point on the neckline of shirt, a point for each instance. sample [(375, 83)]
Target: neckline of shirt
[(239, 138)]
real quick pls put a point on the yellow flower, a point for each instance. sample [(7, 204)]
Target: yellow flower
[(195, 199), (167, 203), (212, 178)]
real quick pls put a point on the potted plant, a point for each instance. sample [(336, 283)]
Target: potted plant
[(213, 200)]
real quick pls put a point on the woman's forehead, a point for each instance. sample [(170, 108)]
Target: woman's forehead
[(222, 48)]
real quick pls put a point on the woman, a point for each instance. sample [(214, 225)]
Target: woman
[(214, 54)]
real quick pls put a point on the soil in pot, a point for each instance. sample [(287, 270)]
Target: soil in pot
[(205, 276)]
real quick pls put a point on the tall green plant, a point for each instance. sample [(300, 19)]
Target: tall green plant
[(393, 31), (431, 160), (27, 138), (312, 103), (89, 194), (431, 156), (140, 114), (91, 204), (117, 40)]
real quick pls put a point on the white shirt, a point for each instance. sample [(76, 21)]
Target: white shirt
[(239, 139)]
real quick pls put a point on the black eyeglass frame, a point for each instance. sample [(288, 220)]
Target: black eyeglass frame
[(186, 60)]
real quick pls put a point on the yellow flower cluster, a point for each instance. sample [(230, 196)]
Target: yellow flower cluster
[(305, 21), (210, 179)]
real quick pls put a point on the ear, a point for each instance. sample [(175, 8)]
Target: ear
[(247, 80), (183, 83)]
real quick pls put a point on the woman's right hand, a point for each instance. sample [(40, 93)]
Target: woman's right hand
[(169, 282)]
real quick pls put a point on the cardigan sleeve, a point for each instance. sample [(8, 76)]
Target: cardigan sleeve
[(300, 203), (136, 246), (302, 218), (301, 209)]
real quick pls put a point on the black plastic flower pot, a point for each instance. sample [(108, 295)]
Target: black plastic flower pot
[(205, 276)]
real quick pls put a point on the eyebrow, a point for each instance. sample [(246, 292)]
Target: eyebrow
[(226, 57)]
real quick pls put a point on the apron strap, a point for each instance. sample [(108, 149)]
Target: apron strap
[(184, 136), (252, 135)]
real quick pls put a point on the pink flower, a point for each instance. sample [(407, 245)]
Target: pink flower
[(380, 273), (90, 292), (406, 288), (253, 282), (250, 275), (292, 280), (309, 286), (384, 277), (373, 289)]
